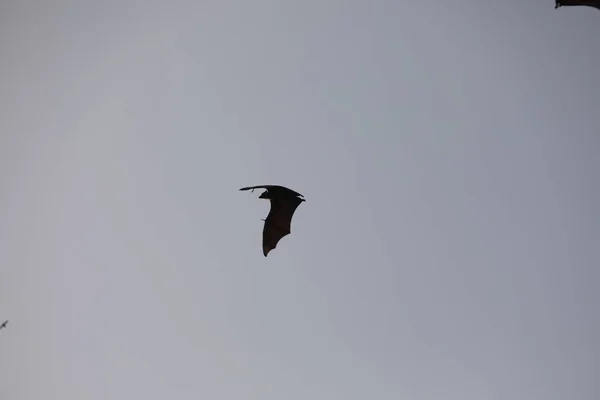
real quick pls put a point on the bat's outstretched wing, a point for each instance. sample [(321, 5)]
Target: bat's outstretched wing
[(589, 3), (279, 221), (274, 188)]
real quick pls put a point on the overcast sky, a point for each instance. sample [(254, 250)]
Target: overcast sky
[(449, 247)]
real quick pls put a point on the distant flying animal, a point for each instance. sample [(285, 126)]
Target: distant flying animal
[(589, 3), (284, 202), (4, 324)]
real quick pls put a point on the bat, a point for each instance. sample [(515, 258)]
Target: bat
[(284, 203), (589, 3)]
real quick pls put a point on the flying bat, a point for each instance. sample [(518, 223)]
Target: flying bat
[(4, 324), (589, 3), (284, 203)]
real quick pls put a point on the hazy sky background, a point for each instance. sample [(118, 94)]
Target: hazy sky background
[(448, 248)]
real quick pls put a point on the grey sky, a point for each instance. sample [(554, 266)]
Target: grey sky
[(448, 154)]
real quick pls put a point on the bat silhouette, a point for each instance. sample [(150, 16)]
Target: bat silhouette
[(284, 203), (589, 3), (4, 324)]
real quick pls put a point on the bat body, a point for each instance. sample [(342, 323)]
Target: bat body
[(284, 203), (589, 3)]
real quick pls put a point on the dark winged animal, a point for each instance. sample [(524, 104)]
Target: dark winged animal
[(284, 203), (589, 3)]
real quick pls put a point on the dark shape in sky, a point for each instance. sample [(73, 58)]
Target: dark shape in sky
[(589, 3), (284, 202), (4, 324)]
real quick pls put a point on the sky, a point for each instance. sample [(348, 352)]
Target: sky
[(447, 248)]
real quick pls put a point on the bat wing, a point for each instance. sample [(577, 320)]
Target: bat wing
[(257, 187), (589, 3), (275, 188), (278, 222)]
